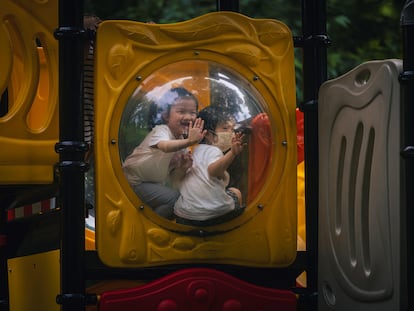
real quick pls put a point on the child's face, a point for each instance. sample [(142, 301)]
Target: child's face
[(182, 112), (225, 126), (223, 135)]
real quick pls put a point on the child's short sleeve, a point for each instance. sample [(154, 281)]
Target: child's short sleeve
[(160, 133)]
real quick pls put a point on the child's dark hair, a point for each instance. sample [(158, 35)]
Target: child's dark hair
[(213, 115), (163, 106)]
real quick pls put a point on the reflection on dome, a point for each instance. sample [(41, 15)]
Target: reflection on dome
[(213, 85)]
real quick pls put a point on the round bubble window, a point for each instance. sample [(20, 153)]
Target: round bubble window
[(162, 161)]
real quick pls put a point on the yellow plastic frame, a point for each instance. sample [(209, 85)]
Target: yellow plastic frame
[(30, 128), (128, 234)]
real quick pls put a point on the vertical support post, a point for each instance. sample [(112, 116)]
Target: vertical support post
[(407, 139), (315, 42), (71, 149), (4, 277)]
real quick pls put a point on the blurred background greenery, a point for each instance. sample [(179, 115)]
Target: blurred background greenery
[(360, 30)]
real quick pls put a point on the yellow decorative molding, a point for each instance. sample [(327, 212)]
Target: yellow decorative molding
[(138, 58)]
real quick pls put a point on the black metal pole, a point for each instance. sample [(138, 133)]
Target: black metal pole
[(407, 141), (315, 42), (4, 287), (71, 149)]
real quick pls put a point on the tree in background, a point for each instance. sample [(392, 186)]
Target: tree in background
[(359, 30), (362, 31)]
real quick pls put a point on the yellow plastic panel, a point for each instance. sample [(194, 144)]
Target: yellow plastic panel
[(34, 282), (136, 56), (29, 62)]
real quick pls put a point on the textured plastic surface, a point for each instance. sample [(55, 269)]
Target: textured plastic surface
[(360, 242), (128, 233), (29, 129), (198, 289)]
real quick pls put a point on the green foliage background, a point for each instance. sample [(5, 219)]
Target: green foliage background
[(360, 30)]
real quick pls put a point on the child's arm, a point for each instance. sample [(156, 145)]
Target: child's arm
[(195, 135), (174, 145), (219, 167)]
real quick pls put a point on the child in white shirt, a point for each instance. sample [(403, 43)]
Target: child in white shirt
[(205, 198), (162, 155)]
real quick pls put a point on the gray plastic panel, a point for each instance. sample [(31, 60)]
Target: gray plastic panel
[(360, 243)]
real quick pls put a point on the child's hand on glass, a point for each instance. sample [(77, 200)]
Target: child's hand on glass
[(196, 132), (237, 144)]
